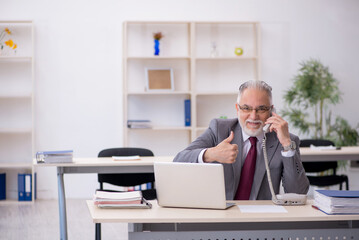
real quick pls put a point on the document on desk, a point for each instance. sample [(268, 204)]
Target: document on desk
[(321, 148), (126, 158), (262, 209)]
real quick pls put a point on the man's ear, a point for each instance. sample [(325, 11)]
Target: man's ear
[(237, 107), (272, 110)]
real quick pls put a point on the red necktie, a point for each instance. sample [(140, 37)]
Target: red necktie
[(247, 173)]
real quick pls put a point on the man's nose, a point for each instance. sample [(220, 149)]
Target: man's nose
[(253, 114)]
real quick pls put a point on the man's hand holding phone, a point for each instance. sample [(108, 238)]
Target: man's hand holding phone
[(280, 126)]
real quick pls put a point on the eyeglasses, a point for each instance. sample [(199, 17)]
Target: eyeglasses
[(260, 109)]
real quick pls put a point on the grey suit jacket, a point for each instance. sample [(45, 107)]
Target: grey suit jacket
[(288, 169)]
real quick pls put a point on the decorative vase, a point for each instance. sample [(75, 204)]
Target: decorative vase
[(157, 47)]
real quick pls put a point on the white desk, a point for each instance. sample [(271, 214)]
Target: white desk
[(181, 223), (95, 165), (107, 165), (345, 153)]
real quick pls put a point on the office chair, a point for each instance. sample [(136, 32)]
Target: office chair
[(126, 179), (317, 167)]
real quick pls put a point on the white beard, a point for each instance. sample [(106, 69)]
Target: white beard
[(252, 132)]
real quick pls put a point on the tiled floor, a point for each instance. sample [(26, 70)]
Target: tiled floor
[(40, 221)]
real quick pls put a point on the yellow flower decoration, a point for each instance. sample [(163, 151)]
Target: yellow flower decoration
[(9, 43)]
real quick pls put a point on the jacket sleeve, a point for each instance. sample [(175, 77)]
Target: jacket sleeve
[(206, 140), (294, 178)]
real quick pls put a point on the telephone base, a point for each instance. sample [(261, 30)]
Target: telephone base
[(290, 199)]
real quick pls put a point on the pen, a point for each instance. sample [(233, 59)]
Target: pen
[(315, 207)]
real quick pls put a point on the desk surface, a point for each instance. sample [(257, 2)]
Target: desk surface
[(107, 161), (182, 215), (345, 153), (307, 154)]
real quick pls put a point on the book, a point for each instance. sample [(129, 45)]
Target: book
[(133, 199), (337, 201), (2, 186), (144, 186), (63, 156), (139, 124), (187, 112)]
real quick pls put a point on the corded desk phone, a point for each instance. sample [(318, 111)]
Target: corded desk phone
[(280, 199)]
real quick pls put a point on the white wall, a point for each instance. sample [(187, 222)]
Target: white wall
[(78, 54)]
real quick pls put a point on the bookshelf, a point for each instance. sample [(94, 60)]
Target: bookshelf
[(208, 78), (16, 105)]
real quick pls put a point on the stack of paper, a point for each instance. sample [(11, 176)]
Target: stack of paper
[(319, 148), (139, 124), (65, 156), (337, 202), (126, 158), (120, 200)]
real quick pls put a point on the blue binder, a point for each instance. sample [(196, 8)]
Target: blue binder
[(187, 112), (2, 186), (339, 193), (24, 186)]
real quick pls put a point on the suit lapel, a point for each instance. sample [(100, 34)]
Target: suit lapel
[(237, 166), (271, 146)]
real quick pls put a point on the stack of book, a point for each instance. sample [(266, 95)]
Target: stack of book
[(133, 199), (139, 124), (65, 156), (337, 202), (144, 186)]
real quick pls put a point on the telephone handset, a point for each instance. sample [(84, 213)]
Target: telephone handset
[(266, 128), (280, 199)]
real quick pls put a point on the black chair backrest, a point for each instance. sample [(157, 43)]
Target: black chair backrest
[(126, 151), (318, 166), (315, 142), (126, 179)]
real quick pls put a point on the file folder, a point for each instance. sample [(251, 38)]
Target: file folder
[(187, 112), (337, 201), (2, 186), (24, 187)]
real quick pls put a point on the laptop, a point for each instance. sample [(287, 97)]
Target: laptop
[(190, 185)]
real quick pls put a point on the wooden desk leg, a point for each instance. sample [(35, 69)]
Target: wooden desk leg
[(62, 203)]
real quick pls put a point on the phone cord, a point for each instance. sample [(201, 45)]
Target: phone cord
[(265, 155)]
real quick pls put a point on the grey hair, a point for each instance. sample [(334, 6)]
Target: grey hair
[(260, 85)]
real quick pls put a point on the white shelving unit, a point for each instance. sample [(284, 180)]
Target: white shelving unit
[(209, 81), (16, 105)]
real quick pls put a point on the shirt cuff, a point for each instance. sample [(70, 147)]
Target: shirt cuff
[(200, 156), (289, 153)]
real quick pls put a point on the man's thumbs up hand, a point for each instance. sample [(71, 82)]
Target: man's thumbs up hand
[(229, 138), (224, 152)]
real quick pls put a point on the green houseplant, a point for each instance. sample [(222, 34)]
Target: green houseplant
[(308, 105)]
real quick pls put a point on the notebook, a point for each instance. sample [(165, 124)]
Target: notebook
[(190, 185)]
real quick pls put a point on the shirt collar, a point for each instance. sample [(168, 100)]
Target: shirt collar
[(246, 136)]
